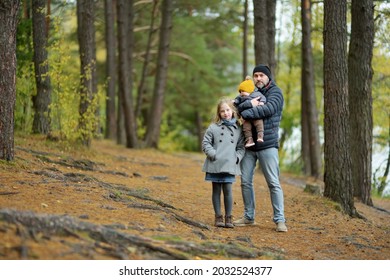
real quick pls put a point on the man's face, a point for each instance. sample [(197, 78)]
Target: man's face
[(260, 79)]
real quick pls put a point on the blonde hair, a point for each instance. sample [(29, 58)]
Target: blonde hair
[(229, 102)]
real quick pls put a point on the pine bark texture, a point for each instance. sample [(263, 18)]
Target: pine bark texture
[(360, 96), (125, 86), (338, 173), (155, 114), (88, 82), (245, 42), (42, 99), (147, 57), (8, 24), (311, 147), (111, 68), (264, 13)]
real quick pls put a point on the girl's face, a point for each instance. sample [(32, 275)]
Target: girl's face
[(225, 112)]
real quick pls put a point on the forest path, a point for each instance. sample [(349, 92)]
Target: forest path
[(110, 202)]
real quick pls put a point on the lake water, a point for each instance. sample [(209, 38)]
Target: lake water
[(379, 156)]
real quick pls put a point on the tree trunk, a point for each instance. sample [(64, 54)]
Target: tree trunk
[(42, 100), (306, 70), (305, 140), (48, 15), (245, 42), (310, 133), (111, 69), (120, 122), (264, 13), (8, 23), (25, 22), (155, 114), (141, 86), (125, 87), (86, 38), (260, 23), (271, 32), (360, 96), (338, 173)]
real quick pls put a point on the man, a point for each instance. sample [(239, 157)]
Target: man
[(265, 152)]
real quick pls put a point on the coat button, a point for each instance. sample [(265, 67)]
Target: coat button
[(222, 133), (232, 141)]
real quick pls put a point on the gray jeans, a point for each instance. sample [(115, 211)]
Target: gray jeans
[(269, 163)]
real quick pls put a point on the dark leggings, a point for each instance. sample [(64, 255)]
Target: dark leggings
[(227, 198)]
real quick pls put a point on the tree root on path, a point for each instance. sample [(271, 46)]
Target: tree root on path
[(124, 190), (68, 226), (95, 240), (177, 217)]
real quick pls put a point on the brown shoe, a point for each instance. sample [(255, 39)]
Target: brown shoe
[(249, 142), (260, 137), (228, 222), (219, 221)]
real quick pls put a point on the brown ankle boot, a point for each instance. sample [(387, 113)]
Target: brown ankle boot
[(228, 222), (260, 136), (219, 221), (249, 142)]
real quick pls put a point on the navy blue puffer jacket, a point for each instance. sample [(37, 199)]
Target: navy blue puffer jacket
[(270, 112)]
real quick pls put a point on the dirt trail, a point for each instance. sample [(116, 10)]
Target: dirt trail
[(110, 202)]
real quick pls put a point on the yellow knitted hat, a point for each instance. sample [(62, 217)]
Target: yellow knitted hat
[(247, 85)]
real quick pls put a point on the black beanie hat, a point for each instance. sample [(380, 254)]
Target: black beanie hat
[(264, 69)]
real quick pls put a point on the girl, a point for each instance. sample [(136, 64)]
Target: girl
[(223, 144)]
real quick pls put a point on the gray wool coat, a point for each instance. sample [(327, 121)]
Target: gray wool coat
[(224, 149)]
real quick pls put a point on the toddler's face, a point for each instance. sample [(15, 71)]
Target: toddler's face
[(244, 93)]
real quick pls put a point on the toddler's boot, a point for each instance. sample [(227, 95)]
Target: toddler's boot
[(260, 136), (249, 142)]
